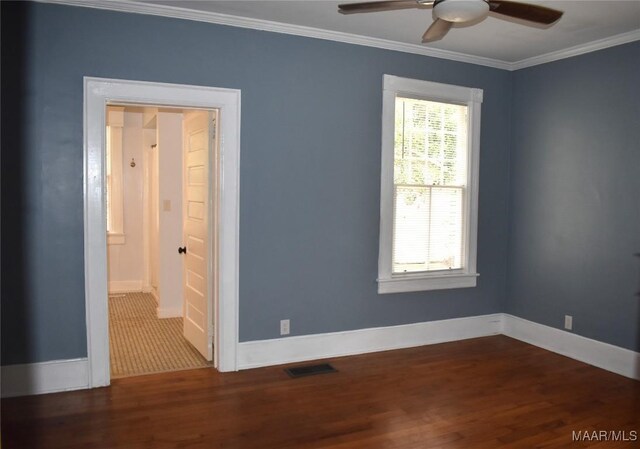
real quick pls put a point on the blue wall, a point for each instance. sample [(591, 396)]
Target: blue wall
[(310, 171), (575, 195)]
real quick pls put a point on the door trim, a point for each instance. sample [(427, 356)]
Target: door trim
[(97, 93)]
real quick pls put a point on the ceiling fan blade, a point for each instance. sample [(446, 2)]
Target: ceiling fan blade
[(352, 8), (525, 11), (436, 31)]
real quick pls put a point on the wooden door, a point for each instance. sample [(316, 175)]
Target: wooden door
[(198, 303)]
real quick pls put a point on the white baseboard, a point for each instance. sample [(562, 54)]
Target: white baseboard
[(45, 377), (65, 375), (603, 355), (125, 286), (154, 293), (169, 312), (279, 351)]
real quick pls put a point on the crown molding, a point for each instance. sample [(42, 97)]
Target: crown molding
[(130, 6), (600, 44), (277, 27)]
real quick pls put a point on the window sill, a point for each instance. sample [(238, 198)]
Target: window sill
[(418, 283), (114, 238)]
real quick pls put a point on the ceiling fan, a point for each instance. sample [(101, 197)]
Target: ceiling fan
[(448, 12)]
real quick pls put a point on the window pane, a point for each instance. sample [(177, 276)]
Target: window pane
[(434, 133), (447, 222), (428, 229), (411, 229)]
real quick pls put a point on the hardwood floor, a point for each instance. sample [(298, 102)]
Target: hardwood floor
[(491, 392)]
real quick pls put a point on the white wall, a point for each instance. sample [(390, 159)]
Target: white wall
[(150, 222), (169, 138), (161, 270), (126, 263)]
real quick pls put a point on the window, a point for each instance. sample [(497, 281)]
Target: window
[(115, 220), (429, 187)]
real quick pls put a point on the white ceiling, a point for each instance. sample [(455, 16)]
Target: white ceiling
[(504, 42)]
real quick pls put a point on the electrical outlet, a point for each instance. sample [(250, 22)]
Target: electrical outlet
[(284, 327), (568, 322)]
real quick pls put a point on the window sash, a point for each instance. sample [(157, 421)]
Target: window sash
[(422, 126), (435, 241)]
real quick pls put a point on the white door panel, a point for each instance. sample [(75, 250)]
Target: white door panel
[(198, 304)]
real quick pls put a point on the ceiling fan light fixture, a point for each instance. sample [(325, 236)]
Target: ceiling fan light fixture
[(459, 11)]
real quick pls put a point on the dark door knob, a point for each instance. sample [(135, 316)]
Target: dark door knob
[(182, 250)]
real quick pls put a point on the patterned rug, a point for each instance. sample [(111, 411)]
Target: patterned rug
[(141, 343)]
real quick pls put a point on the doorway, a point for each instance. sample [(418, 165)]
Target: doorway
[(161, 207), (223, 294)]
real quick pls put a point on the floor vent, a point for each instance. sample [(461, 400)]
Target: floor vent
[(310, 370)]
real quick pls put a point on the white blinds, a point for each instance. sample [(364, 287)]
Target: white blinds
[(430, 176)]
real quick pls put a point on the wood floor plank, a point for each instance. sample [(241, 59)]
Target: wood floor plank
[(492, 392)]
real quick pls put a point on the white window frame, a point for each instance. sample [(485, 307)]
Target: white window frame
[(389, 282), (115, 127)]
